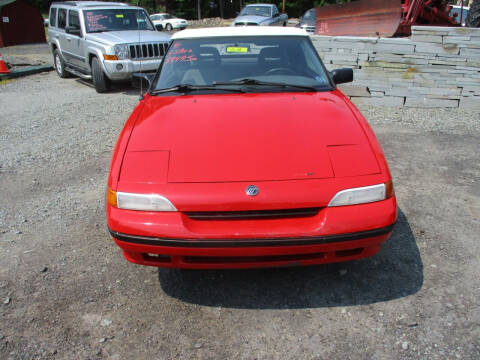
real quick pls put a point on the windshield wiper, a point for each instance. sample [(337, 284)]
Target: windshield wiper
[(248, 81), (186, 88)]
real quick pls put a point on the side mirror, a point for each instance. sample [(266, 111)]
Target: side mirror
[(341, 76), (142, 81), (72, 30)]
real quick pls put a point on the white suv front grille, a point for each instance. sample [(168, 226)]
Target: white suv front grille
[(147, 50)]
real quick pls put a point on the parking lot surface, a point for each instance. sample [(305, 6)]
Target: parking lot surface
[(67, 293)]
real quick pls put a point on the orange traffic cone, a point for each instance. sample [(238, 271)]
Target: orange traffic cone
[(3, 66)]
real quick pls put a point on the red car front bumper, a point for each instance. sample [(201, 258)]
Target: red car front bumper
[(174, 240)]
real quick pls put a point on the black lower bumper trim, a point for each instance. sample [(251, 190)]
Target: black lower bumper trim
[(223, 243)]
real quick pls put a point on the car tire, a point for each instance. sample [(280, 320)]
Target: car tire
[(473, 17), (100, 81), (284, 24), (159, 27), (169, 27), (59, 64)]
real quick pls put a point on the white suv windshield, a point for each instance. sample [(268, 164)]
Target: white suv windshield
[(245, 60), (116, 20)]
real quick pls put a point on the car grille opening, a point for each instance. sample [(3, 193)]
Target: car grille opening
[(249, 259), (252, 214), (147, 51), (349, 252)]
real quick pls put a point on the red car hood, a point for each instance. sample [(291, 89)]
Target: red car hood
[(248, 137)]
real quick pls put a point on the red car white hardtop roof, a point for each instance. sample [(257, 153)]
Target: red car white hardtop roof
[(229, 31)]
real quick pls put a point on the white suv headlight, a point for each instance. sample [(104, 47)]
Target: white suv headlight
[(362, 195), (121, 51), (144, 202)]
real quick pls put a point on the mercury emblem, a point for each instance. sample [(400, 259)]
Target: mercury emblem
[(252, 190)]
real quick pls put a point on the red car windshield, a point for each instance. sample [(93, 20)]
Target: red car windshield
[(256, 62)]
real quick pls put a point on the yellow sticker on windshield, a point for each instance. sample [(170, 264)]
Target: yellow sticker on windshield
[(237, 49), (119, 16)]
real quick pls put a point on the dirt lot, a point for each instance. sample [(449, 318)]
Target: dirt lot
[(67, 293)]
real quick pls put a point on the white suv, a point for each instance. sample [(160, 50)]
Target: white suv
[(103, 41)]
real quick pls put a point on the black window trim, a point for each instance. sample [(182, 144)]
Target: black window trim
[(58, 18), (54, 23), (78, 17)]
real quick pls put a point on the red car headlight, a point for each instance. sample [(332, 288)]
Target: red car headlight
[(362, 195), (142, 202)]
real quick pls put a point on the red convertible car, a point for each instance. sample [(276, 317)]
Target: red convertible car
[(242, 153)]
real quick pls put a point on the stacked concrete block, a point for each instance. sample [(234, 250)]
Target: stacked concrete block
[(435, 67)]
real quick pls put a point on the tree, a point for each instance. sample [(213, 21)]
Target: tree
[(220, 5)]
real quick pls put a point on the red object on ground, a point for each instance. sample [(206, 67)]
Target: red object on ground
[(203, 160), (21, 23), (3, 66), (424, 12), (384, 18)]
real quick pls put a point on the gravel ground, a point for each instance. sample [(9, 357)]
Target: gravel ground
[(67, 293)]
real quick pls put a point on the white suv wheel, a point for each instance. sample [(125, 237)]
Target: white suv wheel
[(58, 63)]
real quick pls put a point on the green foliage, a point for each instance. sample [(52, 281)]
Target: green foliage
[(187, 9), (160, 9), (151, 6), (43, 5)]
